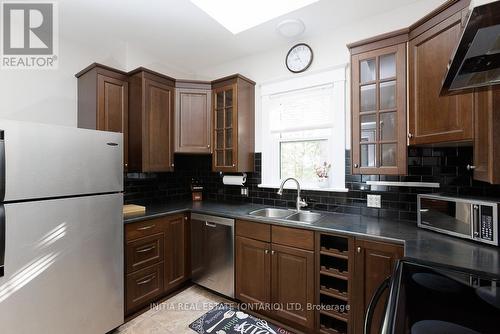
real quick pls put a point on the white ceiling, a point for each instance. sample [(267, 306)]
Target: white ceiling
[(178, 32)]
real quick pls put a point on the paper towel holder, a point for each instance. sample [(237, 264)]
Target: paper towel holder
[(235, 180)]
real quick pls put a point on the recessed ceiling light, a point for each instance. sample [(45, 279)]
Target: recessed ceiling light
[(239, 15), (291, 28)]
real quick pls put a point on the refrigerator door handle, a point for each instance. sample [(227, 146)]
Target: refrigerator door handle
[(2, 166), (2, 240)]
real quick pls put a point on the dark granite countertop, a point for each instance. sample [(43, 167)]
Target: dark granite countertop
[(419, 244)]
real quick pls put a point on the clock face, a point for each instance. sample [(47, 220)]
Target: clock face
[(299, 58)]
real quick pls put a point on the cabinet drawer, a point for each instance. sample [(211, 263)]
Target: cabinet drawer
[(144, 228), (252, 230), (143, 286), (293, 237), (144, 252)]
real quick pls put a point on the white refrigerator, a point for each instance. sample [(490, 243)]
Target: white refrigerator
[(61, 229)]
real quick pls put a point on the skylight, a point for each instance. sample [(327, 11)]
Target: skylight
[(240, 15)]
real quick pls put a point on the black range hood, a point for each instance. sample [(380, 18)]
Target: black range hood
[(476, 60)]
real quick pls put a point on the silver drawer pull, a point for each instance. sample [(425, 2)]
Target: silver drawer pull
[(145, 250), (146, 281), (210, 224), (424, 210), (144, 228)]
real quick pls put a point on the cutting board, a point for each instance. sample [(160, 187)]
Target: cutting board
[(132, 209)]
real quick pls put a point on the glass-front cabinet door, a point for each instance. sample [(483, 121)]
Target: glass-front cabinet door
[(224, 128), (379, 111)]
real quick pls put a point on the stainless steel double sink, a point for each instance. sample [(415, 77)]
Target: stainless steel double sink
[(304, 217)]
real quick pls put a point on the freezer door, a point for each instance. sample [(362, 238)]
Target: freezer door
[(63, 266), (47, 161)]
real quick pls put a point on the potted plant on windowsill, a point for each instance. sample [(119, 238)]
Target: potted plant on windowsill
[(322, 174)]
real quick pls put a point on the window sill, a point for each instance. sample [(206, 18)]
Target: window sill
[(276, 186)]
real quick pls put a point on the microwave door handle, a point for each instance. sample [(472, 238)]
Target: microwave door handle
[(475, 220)]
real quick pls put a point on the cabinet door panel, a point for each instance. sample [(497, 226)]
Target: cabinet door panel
[(159, 106), (379, 111), (253, 271), (192, 133), (434, 118), (374, 262), (293, 284), (177, 252), (112, 114)]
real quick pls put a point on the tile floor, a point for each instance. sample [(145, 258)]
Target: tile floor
[(173, 315)]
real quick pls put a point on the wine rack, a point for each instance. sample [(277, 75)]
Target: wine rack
[(336, 263)]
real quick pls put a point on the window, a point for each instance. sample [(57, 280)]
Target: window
[(303, 126)]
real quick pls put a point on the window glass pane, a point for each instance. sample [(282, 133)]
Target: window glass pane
[(369, 128), (229, 138), (368, 154), (388, 154), (229, 98), (367, 70), (388, 66), (219, 158), (220, 119), (297, 110), (220, 139), (220, 101), (299, 158), (368, 100), (388, 128), (229, 117), (229, 158), (388, 95)]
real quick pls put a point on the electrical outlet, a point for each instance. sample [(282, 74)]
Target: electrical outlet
[(244, 191), (374, 201)]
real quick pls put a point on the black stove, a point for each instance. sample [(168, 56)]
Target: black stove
[(427, 299)]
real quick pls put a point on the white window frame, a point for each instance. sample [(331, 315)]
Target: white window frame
[(271, 143)]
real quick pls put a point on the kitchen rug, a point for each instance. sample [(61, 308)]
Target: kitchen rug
[(224, 319)]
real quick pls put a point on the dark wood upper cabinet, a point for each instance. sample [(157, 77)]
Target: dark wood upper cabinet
[(374, 262), (253, 270), (233, 117), (151, 121), (432, 118), (487, 136), (378, 104), (103, 101), (193, 117)]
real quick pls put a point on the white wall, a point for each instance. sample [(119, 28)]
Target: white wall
[(49, 96), (329, 51)]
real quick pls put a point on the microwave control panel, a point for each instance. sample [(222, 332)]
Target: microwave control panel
[(486, 223)]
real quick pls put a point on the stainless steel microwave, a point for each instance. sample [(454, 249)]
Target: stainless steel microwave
[(468, 218)]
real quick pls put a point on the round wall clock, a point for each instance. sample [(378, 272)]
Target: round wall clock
[(299, 58)]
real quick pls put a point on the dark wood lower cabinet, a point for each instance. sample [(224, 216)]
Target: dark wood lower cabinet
[(253, 271), (272, 273), (292, 282), (374, 262), (156, 259), (178, 251)]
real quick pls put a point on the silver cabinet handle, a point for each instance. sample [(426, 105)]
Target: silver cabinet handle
[(424, 210), (410, 135), (471, 167), (146, 281), (266, 251), (208, 146), (356, 165), (358, 249), (210, 224), (144, 228), (234, 165), (185, 217), (172, 165), (273, 252), (145, 250)]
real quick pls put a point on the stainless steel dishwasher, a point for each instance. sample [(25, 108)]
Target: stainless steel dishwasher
[(212, 253)]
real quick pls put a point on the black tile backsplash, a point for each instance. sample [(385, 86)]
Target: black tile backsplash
[(444, 165)]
